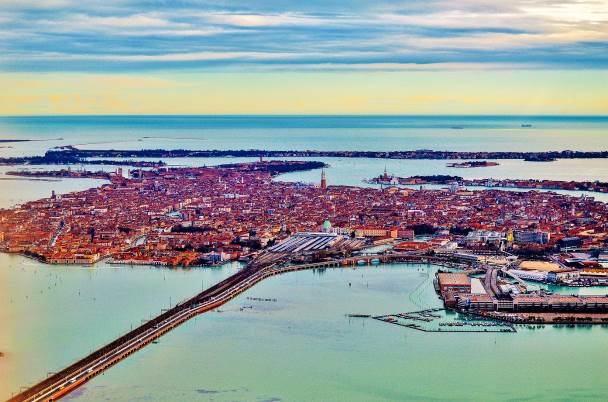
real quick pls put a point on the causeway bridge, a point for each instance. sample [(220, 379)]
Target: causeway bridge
[(65, 381)]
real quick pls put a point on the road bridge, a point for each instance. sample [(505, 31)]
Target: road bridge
[(65, 381)]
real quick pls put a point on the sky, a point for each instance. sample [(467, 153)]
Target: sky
[(303, 57)]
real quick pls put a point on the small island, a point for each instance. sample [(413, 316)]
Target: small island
[(472, 164), (528, 184)]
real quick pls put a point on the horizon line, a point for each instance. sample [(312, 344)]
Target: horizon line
[(299, 115)]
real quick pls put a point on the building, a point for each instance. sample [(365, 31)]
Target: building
[(545, 271), (454, 282), (323, 180), (527, 236), (476, 302), (85, 259), (531, 275), (451, 285), (470, 258), (405, 234), (562, 275), (570, 243), (484, 236), (413, 246), (375, 232), (306, 242)]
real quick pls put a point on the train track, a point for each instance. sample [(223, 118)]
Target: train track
[(67, 380), (70, 378)]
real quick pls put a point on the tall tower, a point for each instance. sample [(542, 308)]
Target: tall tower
[(323, 180)]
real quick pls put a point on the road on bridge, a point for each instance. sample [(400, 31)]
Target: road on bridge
[(70, 378)]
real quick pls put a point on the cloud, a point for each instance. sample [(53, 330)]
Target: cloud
[(34, 4), (130, 21), (139, 34), (263, 20)]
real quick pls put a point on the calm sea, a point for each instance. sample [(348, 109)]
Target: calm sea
[(301, 347), (491, 133)]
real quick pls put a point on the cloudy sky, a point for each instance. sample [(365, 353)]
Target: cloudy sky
[(417, 56)]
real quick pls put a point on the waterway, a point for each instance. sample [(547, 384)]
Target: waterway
[(301, 347), (53, 315)]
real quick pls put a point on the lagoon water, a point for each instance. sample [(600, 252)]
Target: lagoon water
[(301, 347), (53, 315), (382, 133)]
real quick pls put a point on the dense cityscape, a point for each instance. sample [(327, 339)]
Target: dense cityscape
[(186, 216)]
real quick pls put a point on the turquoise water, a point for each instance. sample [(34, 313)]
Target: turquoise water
[(304, 348), (301, 347), (14, 190), (53, 315)]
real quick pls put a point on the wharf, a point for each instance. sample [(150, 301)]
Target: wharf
[(548, 318), (432, 320)]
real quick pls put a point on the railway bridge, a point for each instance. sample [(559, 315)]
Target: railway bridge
[(65, 381)]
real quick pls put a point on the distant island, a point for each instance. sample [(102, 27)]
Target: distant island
[(70, 155), (63, 173), (275, 167), (28, 140), (73, 153), (530, 184), (54, 157), (472, 164)]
